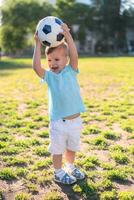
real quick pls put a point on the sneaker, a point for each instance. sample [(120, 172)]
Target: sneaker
[(65, 179), (77, 174)]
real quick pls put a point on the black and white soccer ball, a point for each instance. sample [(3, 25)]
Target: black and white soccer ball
[(49, 31)]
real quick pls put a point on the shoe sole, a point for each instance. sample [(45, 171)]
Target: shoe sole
[(64, 183), (80, 178)]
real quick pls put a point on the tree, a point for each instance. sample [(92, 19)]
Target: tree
[(19, 19), (72, 13), (111, 21)]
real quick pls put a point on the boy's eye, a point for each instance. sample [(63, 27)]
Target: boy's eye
[(49, 60), (57, 59)]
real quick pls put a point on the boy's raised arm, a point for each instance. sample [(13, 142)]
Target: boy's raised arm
[(72, 48), (37, 58)]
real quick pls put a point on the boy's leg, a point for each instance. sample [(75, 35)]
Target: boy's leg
[(73, 145), (59, 174), (57, 161), (57, 164), (70, 168), (56, 148), (69, 156)]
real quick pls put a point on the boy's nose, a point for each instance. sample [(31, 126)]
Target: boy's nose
[(53, 63)]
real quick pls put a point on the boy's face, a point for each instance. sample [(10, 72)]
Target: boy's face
[(57, 60)]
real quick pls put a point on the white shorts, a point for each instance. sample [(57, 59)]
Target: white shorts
[(65, 134)]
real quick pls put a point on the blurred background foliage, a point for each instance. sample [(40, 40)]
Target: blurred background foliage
[(20, 17)]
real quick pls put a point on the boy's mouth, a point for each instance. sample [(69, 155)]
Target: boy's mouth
[(55, 68)]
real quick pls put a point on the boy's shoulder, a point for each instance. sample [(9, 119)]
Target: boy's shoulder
[(69, 68), (74, 71)]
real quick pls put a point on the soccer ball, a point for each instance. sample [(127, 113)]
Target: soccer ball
[(49, 31)]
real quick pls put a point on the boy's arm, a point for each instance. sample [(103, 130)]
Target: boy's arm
[(37, 58), (72, 48)]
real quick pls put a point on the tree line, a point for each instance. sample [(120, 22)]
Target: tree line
[(111, 18)]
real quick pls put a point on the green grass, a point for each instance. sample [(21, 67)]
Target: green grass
[(110, 135), (126, 195), (22, 196), (120, 157), (7, 174), (107, 154), (99, 142), (116, 175), (108, 195), (52, 195), (91, 130)]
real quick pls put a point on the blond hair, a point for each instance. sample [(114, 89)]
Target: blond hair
[(63, 45)]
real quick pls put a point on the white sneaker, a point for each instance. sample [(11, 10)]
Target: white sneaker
[(65, 179)]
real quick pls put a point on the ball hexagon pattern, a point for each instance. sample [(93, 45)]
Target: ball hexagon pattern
[(50, 32), (47, 29)]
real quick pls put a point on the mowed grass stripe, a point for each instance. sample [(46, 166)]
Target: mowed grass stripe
[(107, 155)]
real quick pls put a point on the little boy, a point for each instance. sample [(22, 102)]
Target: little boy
[(65, 105)]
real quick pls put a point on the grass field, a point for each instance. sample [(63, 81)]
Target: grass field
[(107, 149)]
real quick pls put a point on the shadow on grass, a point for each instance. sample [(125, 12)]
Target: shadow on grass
[(8, 66), (87, 191), (125, 182), (12, 64)]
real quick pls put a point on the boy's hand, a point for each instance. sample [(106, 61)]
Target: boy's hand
[(66, 30)]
